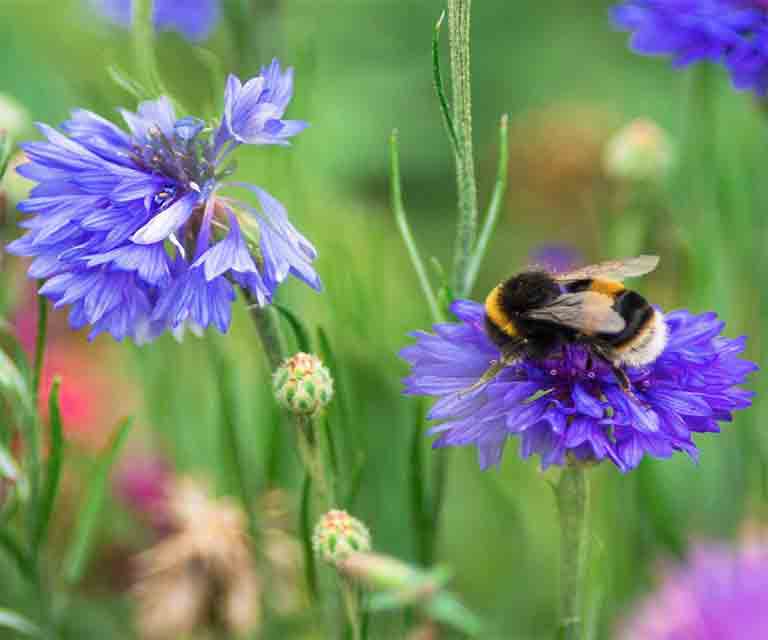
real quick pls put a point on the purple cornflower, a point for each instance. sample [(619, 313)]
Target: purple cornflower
[(721, 593), (562, 407), (195, 19), (729, 32), (131, 229)]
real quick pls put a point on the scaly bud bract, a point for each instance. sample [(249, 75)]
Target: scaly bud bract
[(303, 385)]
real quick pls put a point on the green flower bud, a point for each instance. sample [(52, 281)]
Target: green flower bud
[(303, 385), (641, 151), (338, 535)]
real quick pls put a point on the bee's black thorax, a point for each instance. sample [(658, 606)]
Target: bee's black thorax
[(528, 290)]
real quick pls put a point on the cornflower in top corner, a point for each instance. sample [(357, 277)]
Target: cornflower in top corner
[(132, 229), (733, 33), (194, 19), (569, 405)]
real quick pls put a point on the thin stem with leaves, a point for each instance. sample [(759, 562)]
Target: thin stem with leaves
[(459, 12)]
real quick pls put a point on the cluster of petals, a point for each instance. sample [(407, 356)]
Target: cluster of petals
[(733, 33), (720, 593), (570, 406), (194, 19), (131, 230)]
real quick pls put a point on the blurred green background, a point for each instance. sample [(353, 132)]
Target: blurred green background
[(363, 67)]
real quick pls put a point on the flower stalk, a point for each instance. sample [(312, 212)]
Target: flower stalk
[(572, 494), (466, 230)]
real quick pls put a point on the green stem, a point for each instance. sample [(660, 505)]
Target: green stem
[(405, 230), (494, 207), (572, 494), (269, 333), (351, 599), (144, 44), (466, 230), (42, 332)]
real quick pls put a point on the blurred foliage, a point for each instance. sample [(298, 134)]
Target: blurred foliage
[(362, 68)]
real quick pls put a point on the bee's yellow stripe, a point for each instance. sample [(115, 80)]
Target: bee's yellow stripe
[(496, 313), (608, 287)]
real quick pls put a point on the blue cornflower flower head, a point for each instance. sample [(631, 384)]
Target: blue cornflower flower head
[(733, 33), (194, 19), (570, 406), (719, 593), (133, 230)]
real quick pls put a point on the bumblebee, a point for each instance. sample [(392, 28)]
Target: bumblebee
[(534, 313)]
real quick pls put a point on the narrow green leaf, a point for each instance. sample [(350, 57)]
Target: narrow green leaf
[(494, 207), (437, 78), (42, 332), (15, 552), (405, 229), (128, 84), (15, 349), (12, 620), (53, 468), (303, 341), (6, 145), (13, 385), (88, 518), (305, 527), (444, 608)]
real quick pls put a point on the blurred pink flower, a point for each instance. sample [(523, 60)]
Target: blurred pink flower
[(143, 483)]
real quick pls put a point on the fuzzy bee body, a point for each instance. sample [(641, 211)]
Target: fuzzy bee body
[(534, 313)]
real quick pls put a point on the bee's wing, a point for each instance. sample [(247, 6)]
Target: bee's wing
[(586, 311), (613, 269)]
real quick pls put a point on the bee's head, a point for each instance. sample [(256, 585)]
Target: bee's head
[(528, 290)]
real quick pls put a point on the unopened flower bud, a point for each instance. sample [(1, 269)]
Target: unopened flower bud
[(303, 385), (641, 151), (338, 535)]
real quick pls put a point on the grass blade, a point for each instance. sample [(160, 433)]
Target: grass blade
[(53, 468), (305, 527), (12, 620), (405, 229), (303, 341), (15, 552), (88, 519)]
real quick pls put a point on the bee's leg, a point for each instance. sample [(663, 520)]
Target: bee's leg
[(509, 354), (621, 375), (512, 351)]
